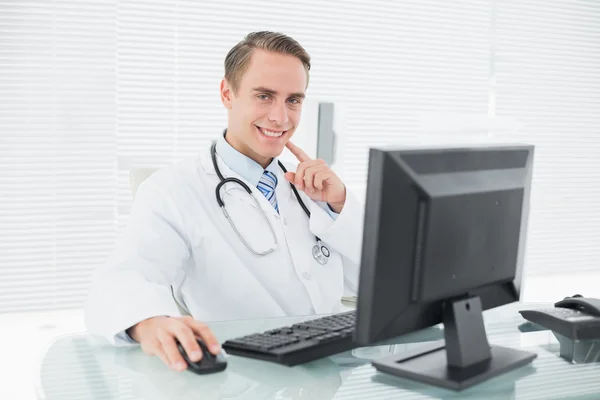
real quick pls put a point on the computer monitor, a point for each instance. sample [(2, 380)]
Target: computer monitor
[(443, 240)]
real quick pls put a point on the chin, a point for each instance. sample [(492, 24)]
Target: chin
[(270, 152)]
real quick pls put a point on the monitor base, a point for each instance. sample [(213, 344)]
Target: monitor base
[(464, 358), (428, 365)]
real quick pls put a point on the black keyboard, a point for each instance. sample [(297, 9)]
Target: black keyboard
[(299, 343)]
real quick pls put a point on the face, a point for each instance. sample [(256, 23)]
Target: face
[(265, 111)]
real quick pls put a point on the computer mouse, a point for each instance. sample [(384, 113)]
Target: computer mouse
[(208, 364), (571, 297)]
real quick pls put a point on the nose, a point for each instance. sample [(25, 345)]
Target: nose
[(279, 114)]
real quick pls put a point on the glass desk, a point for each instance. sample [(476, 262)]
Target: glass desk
[(84, 367)]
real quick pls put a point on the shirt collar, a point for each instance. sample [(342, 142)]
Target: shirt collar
[(242, 165)]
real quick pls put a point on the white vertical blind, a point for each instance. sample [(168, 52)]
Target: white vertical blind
[(168, 75), (91, 89), (57, 149), (547, 75)]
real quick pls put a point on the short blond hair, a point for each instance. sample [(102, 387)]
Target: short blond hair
[(238, 58)]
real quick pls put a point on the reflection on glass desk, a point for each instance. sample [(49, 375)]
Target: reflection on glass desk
[(85, 367)]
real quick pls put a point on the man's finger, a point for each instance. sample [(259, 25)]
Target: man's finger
[(322, 176), (290, 176), (207, 336), (149, 346), (169, 346), (185, 336), (300, 171), (160, 353), (309, 176), (297, 151)]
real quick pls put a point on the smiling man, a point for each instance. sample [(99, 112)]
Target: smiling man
[(288, 243)]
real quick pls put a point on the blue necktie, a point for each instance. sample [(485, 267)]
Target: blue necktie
[(267, 185)]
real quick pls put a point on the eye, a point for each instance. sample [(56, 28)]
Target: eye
[(294, 100), (263, 96)]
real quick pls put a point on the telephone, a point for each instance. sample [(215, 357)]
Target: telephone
[(575, 317)]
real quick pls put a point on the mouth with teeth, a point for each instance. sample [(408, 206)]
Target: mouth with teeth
[(270, 134)]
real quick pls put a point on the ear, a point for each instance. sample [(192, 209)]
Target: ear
[(226, 94)]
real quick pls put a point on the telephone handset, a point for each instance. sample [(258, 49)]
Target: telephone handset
[(574, 317)]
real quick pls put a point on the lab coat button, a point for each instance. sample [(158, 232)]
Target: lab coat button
[(285, 222), (306, 276)]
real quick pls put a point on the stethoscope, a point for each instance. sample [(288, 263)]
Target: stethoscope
[(320, 252)]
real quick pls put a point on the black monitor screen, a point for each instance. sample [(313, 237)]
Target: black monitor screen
[(440, 224)]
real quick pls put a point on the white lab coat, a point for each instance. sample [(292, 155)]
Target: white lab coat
[(178, 244)]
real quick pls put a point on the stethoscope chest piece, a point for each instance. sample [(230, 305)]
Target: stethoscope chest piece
[(320, 253)]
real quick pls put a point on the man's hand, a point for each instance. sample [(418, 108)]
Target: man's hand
[(317, 180), (158, 336)]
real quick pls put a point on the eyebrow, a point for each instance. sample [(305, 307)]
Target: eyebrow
[(273, 92)]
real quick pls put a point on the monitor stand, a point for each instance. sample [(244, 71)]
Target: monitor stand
[(464, 360)]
